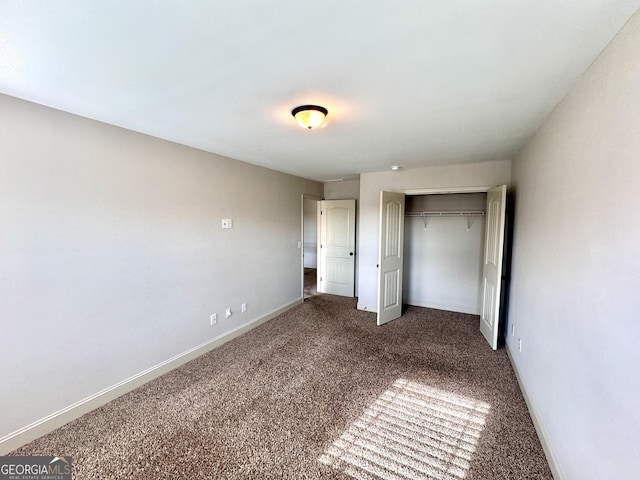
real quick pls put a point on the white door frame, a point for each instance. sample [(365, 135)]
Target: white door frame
[(304, 197)]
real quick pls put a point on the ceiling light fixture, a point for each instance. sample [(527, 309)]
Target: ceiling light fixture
[(395, 168), (309, 116)]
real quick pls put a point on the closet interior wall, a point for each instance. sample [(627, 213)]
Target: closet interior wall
[(443, 255)]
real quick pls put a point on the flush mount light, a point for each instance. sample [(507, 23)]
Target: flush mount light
[(395, 168), (309, 116)]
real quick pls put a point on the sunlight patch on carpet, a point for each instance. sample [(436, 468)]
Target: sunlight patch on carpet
[(412, 431)]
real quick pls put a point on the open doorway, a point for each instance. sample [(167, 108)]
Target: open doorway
[(309, 246), (328, 247), (391, 252)]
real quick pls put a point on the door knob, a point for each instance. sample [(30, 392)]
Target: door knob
[(351, 254)]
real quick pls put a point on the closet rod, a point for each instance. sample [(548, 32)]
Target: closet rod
[(450, 213)]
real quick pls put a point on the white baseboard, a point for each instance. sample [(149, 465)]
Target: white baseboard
[(443, 306), (551, 459), (49, 423), (368, 308)]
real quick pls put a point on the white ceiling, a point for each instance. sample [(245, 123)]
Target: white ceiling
[(413, 83)]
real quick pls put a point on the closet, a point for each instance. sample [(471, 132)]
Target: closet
[(444, 238)]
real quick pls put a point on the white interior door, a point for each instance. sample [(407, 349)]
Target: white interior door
[(492, 268), (390, 256), (336, 274)]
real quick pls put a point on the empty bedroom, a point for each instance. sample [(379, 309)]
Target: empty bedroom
[(350, 240)]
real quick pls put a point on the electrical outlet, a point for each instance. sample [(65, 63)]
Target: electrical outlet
[(243, 307), (213, 318), (519, 344), (227, 312)]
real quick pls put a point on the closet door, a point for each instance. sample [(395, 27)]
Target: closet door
[(390, 256), (492, 267)]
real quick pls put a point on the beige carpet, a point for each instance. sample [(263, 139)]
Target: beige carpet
[(320, 392)]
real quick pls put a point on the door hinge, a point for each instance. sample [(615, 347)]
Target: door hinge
[(320, 212)]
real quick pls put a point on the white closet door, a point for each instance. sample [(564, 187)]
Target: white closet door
[(492, 267), (390, 256)]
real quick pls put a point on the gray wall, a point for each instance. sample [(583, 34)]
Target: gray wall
[(443, 255), (469, 175), (113, 256), (575, 297), (343, 190)]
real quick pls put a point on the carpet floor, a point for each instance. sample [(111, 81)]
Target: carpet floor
[(310, 282), (319, 392)]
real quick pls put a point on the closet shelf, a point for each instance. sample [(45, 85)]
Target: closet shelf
[(450, 213)]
